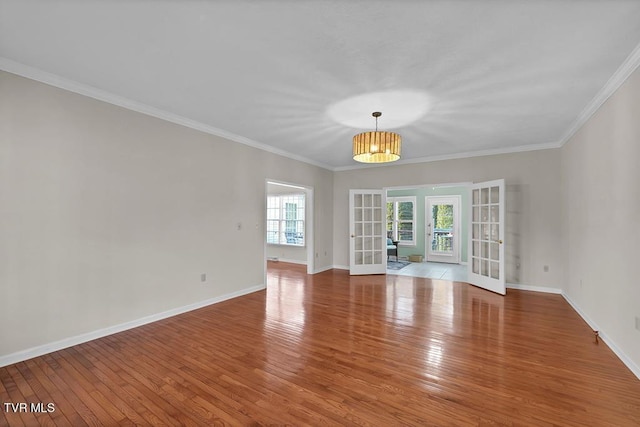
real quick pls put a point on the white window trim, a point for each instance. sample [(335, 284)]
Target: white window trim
[(281, 203), (394, 200)]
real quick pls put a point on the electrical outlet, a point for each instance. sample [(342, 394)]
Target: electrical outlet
[(203, 277), (546, 268), (638, 323)]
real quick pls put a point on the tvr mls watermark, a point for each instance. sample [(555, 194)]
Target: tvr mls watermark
[(38, 408)]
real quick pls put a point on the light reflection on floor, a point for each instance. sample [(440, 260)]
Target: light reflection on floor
[(433, 270), (434, 309)]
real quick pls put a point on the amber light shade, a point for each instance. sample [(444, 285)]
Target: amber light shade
[(376, 147)]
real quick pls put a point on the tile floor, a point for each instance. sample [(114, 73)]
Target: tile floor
[(433, 270)]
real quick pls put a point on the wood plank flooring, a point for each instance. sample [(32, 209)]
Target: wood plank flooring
[(330, 349)]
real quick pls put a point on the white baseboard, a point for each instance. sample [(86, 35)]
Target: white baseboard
[(292, 261), (320, 270), (544, 289), (602, 334), (341, 267), (40, 350), (289, 261)]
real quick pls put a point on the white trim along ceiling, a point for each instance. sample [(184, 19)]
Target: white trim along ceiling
[(299, 79)]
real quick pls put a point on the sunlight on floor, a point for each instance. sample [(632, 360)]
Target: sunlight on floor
[(433, 270)]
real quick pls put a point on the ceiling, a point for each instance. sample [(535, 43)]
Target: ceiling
[(300, 78)]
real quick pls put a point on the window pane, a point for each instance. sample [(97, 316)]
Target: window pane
[(484, 196), (272, 232), (285, 219), (443, 217), (405, 211), (495, 216), (495, 270), (400, 218), (495, 194), (405, 231)]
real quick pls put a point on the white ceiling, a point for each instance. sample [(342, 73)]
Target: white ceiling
[(300, 78)]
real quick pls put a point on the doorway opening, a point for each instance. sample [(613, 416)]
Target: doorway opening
[(453, 224), (410, 222), (288, 224)]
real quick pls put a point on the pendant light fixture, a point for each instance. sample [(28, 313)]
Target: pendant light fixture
[(377, 146)]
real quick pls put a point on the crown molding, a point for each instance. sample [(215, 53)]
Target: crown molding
[(479, 153), (110, 98), (613, 84), (631, 63)]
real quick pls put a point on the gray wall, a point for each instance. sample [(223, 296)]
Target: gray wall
[(109, 215), (533, 203), (601, 220)]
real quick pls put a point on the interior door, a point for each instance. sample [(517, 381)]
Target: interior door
[(486, 242), (442, 216), (367, 229)]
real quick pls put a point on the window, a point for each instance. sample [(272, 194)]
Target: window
[(285, 219), (401, 214)]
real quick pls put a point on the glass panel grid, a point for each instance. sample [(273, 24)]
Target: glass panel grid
[(484, 231), (286, 219), (369, 229), (400, 218)]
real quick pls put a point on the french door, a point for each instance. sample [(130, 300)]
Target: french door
[(442, 216), (486, 245), (367, 229)]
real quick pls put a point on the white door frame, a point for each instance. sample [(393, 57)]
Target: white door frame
[(455, 256), (308, 223)]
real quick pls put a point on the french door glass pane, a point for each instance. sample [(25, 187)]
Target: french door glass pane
[(368, 243), (495, 251), (359, 259), (495, 270), (495, 194)]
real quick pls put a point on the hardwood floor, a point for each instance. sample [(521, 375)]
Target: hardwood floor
[(331, 349)]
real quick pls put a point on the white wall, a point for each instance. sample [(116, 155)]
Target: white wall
[(107, 215), (600, 182), (533, 200)]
